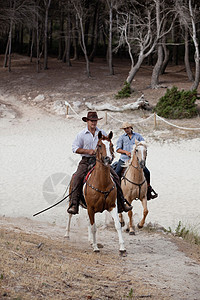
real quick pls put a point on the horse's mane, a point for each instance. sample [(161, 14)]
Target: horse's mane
[(128, 163)]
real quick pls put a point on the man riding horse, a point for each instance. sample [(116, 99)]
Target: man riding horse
[(124, 147), (85, 144)]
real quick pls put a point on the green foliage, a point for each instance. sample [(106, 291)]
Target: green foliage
[(177, 104), (130, 295), (125, 91), (187, 234)]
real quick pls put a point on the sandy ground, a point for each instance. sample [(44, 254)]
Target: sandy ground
[(36, 164)]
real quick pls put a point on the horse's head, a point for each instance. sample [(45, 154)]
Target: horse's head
[(140, 151), (105, 150)]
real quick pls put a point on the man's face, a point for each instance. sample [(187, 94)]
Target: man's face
[(92, 124), (128, 130)]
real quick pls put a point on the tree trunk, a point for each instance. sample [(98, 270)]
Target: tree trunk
[(158, 65), (10, 47), (186, 58), (135, 68), (84, 49), (196, 55), (38, 47), (47, 5), (66, 56), (61, 36), (157, 68), (166, 57), (5, 64), (95, 34), (110, 61)]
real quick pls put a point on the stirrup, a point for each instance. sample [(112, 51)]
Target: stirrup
[(153, 194)]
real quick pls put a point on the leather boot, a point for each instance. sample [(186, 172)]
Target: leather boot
[(122, 206), (73, 208), (151, 194)]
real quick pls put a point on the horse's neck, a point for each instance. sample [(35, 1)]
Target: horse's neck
[(134, 171), (102, 173)]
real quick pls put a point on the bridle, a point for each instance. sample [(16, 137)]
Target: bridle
[(102, 158)]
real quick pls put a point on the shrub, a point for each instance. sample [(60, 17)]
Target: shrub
[(125, 91), (177, 104)]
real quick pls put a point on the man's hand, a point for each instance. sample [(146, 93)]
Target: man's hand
[(128, 153), (91, 152)]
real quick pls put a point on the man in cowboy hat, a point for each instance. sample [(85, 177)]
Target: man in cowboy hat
[(85, 144), (124, 147)]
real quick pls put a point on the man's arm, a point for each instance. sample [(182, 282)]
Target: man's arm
[(121, 151), (119, 148), (85, 151)]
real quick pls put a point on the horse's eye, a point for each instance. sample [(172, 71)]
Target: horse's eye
[(99, 146), (136, 150)]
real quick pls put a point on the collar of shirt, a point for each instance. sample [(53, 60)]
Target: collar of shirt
[(87, 130)]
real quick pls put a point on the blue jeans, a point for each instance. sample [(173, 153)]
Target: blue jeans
[(120, 167)]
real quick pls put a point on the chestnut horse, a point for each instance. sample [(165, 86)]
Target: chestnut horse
[(100, 191), (134, 185)]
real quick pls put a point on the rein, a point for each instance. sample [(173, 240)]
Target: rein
[(54, 204)]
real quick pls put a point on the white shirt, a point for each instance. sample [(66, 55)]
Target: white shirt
[(86, 140)]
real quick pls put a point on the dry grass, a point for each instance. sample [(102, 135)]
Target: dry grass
[(34, 267)]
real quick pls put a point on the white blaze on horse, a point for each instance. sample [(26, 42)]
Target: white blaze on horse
[(100, 191), (134, 185)]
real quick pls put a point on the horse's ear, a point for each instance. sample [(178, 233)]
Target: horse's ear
[(110, 135), (100, 135)]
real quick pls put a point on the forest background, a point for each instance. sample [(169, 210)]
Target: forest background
[(153, 32)]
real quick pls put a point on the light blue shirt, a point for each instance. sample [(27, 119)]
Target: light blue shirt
[(86, 140), (126, 143)]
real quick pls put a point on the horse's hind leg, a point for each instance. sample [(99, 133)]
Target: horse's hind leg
[(145, 213), (92, 230), (121, 219), (118, 227), (68, 227)]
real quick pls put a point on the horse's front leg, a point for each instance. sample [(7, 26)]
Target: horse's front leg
[(68, 227), (92, 230), (118, 227), (145, 212), (131, 228)]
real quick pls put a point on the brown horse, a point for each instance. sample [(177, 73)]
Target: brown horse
[(134, 184), (100, 191)]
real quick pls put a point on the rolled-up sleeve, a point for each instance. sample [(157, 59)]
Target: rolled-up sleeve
[(119, 143), (77, 143)]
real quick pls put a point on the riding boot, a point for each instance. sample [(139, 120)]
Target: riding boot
[(122, 203), (73, 207), (151, 194)]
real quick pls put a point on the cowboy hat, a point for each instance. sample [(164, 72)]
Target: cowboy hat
[(126, 125), (91, 116)]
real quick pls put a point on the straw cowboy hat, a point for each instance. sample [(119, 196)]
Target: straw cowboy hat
[(92, 116), (126, 125)]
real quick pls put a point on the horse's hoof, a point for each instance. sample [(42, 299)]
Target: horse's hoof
[(139, 226), (96, 250), (66, 236), (131, 232), (122, 224), (123, 253), (127, 230), (100, 246)]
